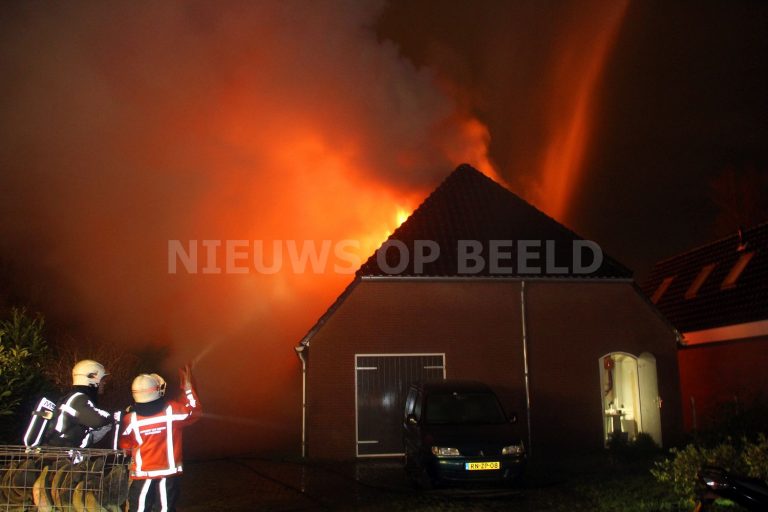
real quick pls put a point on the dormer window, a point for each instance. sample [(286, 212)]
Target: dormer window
[(661, 289), (736, 270), (693, 290)]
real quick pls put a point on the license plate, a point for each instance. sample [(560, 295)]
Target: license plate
[(479, 466)]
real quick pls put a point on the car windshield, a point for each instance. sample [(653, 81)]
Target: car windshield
[(456, 408)]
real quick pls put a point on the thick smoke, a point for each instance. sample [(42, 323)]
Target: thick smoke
[(128, 125), (648, 103), (530, 70)]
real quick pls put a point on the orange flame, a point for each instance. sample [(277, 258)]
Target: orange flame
[(198, 131), (401, 216)]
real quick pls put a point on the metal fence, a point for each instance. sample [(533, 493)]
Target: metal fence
[(62, 479)]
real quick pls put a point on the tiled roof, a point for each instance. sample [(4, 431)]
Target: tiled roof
[(468, 206), (712, 306)]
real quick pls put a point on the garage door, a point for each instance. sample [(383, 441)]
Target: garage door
[(381, 383)]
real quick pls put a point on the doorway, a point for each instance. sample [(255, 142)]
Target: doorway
[(381, 385), (630, 396)]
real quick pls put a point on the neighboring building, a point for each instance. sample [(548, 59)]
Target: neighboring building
[(570, 344), (717, 297)]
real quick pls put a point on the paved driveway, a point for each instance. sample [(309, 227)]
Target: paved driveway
[(258, 484)]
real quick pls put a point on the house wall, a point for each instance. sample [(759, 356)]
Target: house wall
[(571, 325), (477, 324), (716, 374)]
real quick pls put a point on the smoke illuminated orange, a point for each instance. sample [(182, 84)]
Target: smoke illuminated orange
[(225, 122), (572, 100)]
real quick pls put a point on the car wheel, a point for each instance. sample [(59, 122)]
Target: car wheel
[(410, 467), (423, 480), (417, 474), (516, 481)]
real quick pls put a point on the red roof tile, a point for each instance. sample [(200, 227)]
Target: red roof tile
[(469, 206), (715, 306)]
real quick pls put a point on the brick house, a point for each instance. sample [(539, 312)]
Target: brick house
[(478, 284), (717, 297)]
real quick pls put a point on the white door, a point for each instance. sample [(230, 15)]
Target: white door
[(650, 403)]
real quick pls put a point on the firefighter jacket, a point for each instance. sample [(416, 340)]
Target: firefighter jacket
[(152, 433), (77, 420)]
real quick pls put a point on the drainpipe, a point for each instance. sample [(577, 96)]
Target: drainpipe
[(525, 367), (301, 351)]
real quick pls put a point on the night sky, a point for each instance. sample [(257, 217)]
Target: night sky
[(680, 115), (640, 125)]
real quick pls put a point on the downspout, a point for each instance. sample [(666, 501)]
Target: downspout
[(301, 351), (525, 367)]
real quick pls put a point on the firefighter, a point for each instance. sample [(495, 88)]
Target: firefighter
[(77, 421), (151, 431)]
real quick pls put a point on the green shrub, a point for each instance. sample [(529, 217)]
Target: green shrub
[(755, 457), (642, 449), (22, 352), (678, 472), (644, 443)]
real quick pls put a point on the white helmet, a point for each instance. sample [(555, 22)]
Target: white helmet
[(147, 387), (88, 373)]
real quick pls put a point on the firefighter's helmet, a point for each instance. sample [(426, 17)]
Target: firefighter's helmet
[(88, 373), (147, 387)]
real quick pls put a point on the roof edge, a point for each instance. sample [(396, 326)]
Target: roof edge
[(305, 341), (703, 246), (475, 279), (658, 313)]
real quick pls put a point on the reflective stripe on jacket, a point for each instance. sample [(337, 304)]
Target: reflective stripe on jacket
[(75, 418), (155, 441)]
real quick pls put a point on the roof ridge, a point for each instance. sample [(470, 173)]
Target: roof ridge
[(469, 205), (698, 248)]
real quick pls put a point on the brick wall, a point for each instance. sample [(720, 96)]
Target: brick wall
[(477, 324)]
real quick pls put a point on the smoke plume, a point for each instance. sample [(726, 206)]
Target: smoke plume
[(126, 126), (159, 160)]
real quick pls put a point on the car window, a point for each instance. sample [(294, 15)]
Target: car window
[(451, 408)]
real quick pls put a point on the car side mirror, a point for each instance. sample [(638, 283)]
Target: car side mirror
[(412, 420), (513, 418)]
